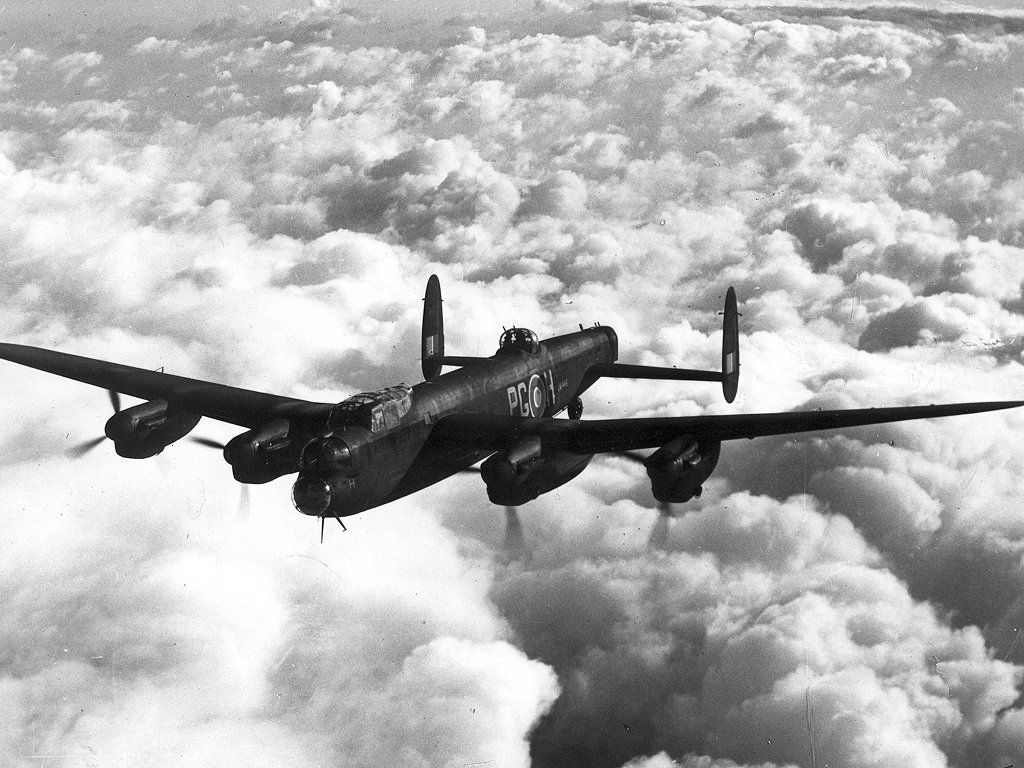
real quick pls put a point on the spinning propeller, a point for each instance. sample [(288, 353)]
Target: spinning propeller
[(659, 532), (78, 451), (244, 502), (515, 540)]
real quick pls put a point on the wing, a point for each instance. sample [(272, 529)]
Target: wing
[(614, 435), (235, 406)]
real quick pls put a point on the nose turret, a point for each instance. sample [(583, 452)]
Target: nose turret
[(332, 495), (311, 495), (328, 472)]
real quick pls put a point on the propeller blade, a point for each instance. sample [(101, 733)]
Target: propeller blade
[(639, 458), (208, 442), (515, 541), (659, 532), (244, 500), (323, 520), (78, 451)]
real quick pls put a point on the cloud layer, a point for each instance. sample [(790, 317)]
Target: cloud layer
[(260, 203)]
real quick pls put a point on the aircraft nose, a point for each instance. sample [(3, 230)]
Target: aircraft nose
[(311, 494)]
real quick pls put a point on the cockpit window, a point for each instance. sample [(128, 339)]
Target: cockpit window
[(518, 339), (376, 411)]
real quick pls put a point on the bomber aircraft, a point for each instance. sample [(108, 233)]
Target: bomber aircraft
[(375, 447)]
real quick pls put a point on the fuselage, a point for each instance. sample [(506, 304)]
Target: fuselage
[(394, 461)]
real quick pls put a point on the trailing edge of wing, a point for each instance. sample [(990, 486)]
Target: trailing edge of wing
[(235, 406), (603, 436)]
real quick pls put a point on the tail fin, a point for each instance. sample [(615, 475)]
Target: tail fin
[(432, 348), (433, 330), (730, 347), (729, 375)]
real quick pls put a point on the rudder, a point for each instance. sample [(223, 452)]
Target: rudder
[(730, 347), (432, 349)]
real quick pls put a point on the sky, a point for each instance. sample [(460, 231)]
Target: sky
[(257, 197)]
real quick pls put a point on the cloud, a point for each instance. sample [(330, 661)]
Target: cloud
[(856, 66), (74, 64), (184, 632), (260, 203), (156, 45), (948, 317), (719, 644)]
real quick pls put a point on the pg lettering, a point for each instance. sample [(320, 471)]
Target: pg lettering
[(527, 398), (518, 400)]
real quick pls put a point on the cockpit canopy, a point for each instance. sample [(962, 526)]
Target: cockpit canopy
[(515, 339), (376, 411)]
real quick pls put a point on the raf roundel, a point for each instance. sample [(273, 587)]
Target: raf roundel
[(537, 395)]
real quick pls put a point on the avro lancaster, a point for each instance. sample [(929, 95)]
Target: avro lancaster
[(375, 447)]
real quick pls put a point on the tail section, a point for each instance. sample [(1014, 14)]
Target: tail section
[(729, 375), (432, 346), (433, 330)]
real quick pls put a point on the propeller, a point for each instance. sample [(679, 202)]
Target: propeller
[(514, 543), (244, 500), (209, 443), (323, 520), (78, 451), (659, 531)]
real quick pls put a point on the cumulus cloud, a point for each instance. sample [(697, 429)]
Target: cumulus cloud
[(260, 203)]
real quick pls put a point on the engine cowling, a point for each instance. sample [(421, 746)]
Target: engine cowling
[(144, 430), (522, 473), (262, 454), (328, 455), (503, 468), (679, 468)]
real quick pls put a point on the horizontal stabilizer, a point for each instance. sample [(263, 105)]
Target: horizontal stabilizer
[(624, 371), (729, 376), (456, 360)]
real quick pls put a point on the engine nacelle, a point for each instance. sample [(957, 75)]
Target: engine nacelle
[(144, 430), (328, 455), (263, 454), (679, 467), (522, 473), (503, 468)]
